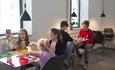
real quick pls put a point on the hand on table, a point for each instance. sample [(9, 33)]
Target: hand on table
[(29, 49), (32, 44)]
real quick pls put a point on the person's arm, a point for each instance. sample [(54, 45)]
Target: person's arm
[(30, 51), (79, 37), (34, 52), (68, 37), (80, 34), (11, 43), (91, 38)]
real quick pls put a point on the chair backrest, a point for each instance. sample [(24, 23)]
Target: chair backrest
[(108, 33), (55, 63), (98, 37)]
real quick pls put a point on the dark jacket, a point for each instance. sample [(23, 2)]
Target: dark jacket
[(65, 37), (59, 48)]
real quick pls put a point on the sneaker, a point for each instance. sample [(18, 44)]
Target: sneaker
[(81, 63), (66, 63), (85, 66)]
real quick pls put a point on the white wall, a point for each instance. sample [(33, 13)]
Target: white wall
[(110, 11), (95, 10), (46, 13)]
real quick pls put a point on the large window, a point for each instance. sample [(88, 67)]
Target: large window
[(79, 12), (10, 12), (9, 16), (75, 13)]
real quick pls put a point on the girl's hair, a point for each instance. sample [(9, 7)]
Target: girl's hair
[(44, 44), (26, 39), (56, 32)]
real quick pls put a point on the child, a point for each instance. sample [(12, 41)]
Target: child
[(23, 40), (87, 40), (44, 52)]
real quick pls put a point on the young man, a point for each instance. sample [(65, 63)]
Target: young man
[(66, 40), (64, 35), (87, 40)]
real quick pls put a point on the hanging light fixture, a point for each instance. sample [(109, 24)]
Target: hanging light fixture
[(103, 13), (25, 16), (73, 14)]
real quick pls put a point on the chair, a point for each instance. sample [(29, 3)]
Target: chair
[(98, 37), (98, 40), (55, 63), (108, 34), (30, 66)]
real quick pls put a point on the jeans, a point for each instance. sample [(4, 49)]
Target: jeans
[(86, 48), (69, 50)]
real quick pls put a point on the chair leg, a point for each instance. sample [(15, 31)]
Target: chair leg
[(95, 56), (32, 68)]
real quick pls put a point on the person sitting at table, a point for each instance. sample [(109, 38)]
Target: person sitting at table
[(55, 43), (87, 40), (23, 41), (44, 53)]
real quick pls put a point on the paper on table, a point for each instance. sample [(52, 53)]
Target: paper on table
[(15, 61)]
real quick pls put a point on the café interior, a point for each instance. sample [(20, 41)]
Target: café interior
[(57, 34)]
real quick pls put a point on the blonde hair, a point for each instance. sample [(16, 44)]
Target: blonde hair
[(44, 44)]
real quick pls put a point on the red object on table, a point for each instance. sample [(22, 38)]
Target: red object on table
[(23, 61)]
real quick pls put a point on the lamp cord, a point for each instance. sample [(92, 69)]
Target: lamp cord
[(103, 5), (25, 4)]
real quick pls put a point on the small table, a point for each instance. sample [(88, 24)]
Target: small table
[(17, 58)]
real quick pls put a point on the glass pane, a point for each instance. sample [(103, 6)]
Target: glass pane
[(74, 13), (9, 16)]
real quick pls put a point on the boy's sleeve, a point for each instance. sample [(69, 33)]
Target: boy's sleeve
[(68, 37), (91, 37)]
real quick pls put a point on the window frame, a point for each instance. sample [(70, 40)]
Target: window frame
[(79, 14)]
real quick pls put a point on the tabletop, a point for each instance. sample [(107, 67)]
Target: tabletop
[(17, 58)]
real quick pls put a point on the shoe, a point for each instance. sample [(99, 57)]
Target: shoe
[(85, 66), (81, 64), (66, 63)]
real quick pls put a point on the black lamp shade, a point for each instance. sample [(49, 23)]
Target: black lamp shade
[(103, 15), (25, 16), (73, 14)]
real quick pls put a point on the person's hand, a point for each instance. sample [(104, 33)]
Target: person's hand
[(32, 44), (79, 44), (9, 38), (79, 40), (29, 49), (84, 39)]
